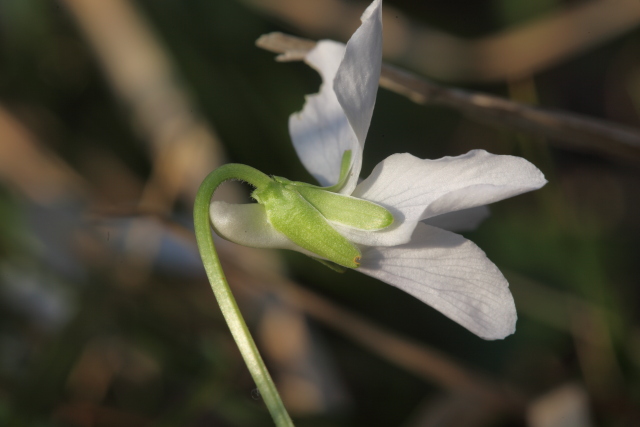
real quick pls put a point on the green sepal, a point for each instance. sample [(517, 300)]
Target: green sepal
[(345, 166), (291, 214), (347, 210)]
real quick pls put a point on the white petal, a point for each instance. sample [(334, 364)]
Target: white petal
[(463, 220), (337, 118), (451, 274), (321, 132), (247, 225), (422, 189), (356, 82)]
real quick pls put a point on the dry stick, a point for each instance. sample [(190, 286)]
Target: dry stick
[(550, 39), (566, 129)]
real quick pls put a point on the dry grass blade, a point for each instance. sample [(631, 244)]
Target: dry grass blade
[(31, 169), (566, 129), (183, 146)]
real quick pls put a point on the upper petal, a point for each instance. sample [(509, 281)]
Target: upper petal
[(337, 118), (451, 274), (321, 132), (422, 189), (357, 79)]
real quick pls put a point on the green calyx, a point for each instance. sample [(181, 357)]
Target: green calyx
[(302, 212), (289, 213)]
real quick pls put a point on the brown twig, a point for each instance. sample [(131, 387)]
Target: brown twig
[(571, 130), (547, 41)]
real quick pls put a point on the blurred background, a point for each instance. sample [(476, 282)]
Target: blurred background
[(111, 113)]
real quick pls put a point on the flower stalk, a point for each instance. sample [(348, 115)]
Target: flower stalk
[(221, 289)]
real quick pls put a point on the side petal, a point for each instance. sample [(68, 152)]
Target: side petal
[(357, 79), (422, 189), (463, 220), (247, 225), (321, 132), (451, 274)]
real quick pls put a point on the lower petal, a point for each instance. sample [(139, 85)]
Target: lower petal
[(451, 274)]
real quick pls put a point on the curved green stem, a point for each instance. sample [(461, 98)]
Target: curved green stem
[(221, 288)]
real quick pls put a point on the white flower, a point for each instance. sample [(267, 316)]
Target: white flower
[(440, 268)]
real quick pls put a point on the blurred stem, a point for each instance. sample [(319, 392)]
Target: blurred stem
[(221, 289)]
